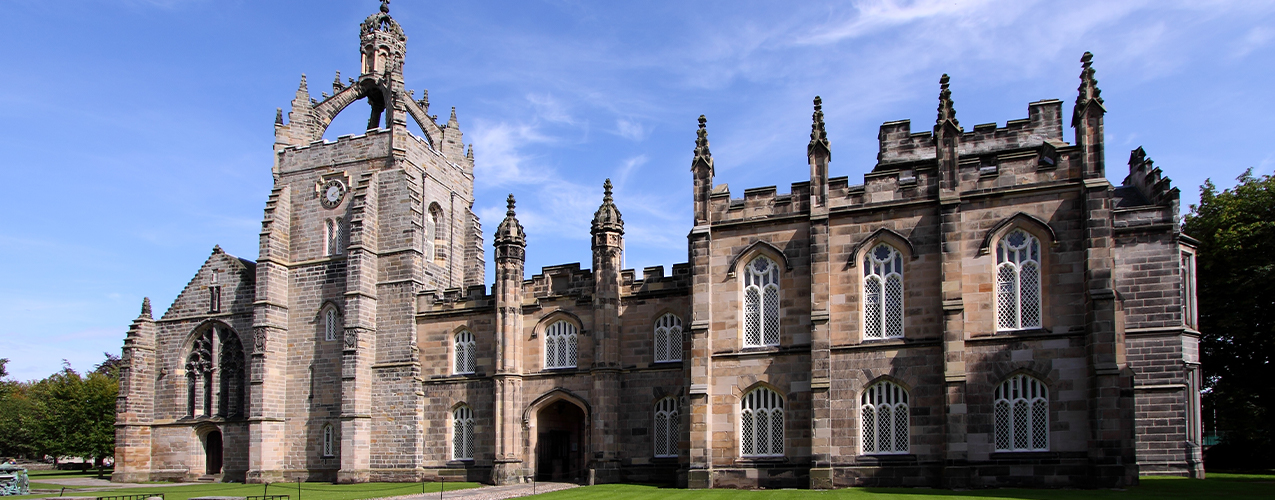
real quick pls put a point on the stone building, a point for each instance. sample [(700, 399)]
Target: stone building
[(984, 309)]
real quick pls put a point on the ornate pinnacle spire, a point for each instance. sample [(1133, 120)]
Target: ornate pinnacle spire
[(146, 307), (336, 83), (702, 153), (607, 218), (278, 116), (947, 113), (1088, 91), (451, 122), (470, 154), (385, 6), (818, 136), (303, 87), (510, 232)]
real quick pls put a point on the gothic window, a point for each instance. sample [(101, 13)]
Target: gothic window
[(329, 441), (761, 303), (1022, 415), (214, 299), (1018, 303), (332, 327), (1189, 314), (762, 424), (560, 345), (215, 361), (884, 418), (666, 432), (464, 350), (883, 293), (231, 365), (462, 433), (668, 338)]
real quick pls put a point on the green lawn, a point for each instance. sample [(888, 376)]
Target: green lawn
[(1229, 486), (309, 491)]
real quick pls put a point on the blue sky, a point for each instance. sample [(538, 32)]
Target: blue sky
[(136, 134)]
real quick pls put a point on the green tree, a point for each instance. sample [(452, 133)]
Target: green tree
[(1236, 288)]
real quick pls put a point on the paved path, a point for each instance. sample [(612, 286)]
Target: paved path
[(489, 492)]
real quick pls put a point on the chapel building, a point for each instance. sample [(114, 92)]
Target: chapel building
[(985, 309)]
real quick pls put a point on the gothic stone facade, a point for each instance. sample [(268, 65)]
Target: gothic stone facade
[(985, 309)]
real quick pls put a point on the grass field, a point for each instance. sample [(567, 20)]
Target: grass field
[(1229, 486)]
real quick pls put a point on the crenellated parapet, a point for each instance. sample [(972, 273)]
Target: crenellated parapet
[(899, 145)]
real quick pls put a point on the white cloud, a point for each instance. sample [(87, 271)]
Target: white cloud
[(630, 130), (1256, 38)]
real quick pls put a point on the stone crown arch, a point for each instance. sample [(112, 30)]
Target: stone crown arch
[(752, 251), (882, 235), (1021, 220), (887, 377), (760, 384)]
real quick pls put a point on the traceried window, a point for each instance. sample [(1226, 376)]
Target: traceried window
[(1022, 415), (1018, 303), (883, 293), (560, 345), (666, 431), (1189, 313), (465, 357), (884, 418), (761, 303), (462, 433), (668, 338), (761, 424), (331, 324), (435, 245), (329, 441), (215, 372)]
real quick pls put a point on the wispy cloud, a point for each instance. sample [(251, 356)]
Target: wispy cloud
[(630, 130), (1254, 39)]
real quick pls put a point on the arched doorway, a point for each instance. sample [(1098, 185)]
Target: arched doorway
[(212, 453), (561, 442)]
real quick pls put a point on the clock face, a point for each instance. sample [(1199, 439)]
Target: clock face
[(332, 193)]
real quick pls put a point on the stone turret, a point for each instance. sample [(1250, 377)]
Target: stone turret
[(702, 171), (135, 405), (511, 245), (608, 259), (1086, 118)]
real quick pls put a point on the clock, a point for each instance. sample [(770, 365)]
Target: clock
[(331, 193)]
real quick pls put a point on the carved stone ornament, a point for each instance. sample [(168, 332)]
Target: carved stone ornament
[(351, 339), (259, 341)]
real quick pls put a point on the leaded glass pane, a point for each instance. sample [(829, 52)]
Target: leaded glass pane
[(872, 307), (869, 429), (893, 307), (771, 309), (1002, 425), (1006, 297), (1030, 295), (752, 317), (1021, 431), (1040, 424)]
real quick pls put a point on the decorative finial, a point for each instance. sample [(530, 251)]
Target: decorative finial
[(510, 201), (701, 140), (336, 83), (303, 84), (947, 113), (278, 116), (217, 249), (470, 154), (385, 6), (818, 135), (146, 307), (453, 118), (1088, 84), (606, 190)]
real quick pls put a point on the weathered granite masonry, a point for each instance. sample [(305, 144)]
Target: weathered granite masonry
[(363, 345)]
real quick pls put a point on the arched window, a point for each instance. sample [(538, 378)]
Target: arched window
[(1022, 415), (435, 244), (884, 412), (465, 355), (668, 338), (332, 234), (332, 327), (666, 434), (761, 303), (215, 361), (883, 293), (560, 345), (462, 433), (762, 424), (1018, 281), (329, 441)]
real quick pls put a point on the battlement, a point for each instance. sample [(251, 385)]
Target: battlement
[(655, 281), (345, 149), (758, 202), (898, 144), (560, 280)]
